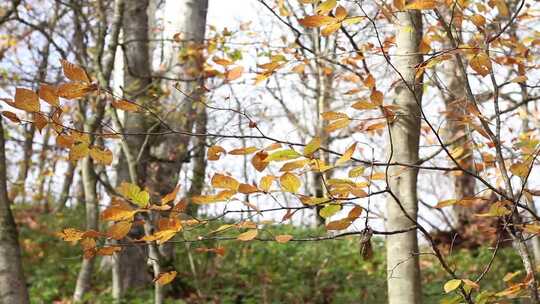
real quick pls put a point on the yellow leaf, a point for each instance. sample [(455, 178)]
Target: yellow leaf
[(330, 29), (290, 182), (214, 152), (347, 155), (208, 199), (520, 79), (364, 105), (333, 115), (399, 4), (421, 5), (119, 230), (266, 182), (496, 209), (337, 124), (74, 72), (520, 169), (124, 105), (356, 172), (134, 193), (48, 94), (78, 151), (316, 21), (312, 146), (283, 238), (283, 155), (325, 7), (248, 235), (352, 20), (290, 166), (481, 64), (104, 157), (26, 100), (446, 203), (234, 73), (329, 210), (225, 182), (165, 278), (451, 285), (70, 234)]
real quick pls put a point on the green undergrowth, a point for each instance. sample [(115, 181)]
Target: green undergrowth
[(330, 271)]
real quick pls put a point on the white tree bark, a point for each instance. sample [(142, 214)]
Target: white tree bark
[(403, 272), (12, 283)]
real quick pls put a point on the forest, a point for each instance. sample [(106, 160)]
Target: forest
[(269, 151)]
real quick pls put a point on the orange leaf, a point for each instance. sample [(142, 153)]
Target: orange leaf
[(214, 152), (225, 182), (170, 196), (165, 278), (317, 21), (259, 161), (104, 157), (26, 100), (284, 238), (234, 73), (124, 105), (74, 72), (74, 90), (119, 230), (48, 94)]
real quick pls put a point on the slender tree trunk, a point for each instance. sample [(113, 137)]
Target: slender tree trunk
[(66, 187), (92, 212), (403, 271), (12, 283)]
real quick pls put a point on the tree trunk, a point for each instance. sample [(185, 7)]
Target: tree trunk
[(12, 283), (403, 272), (66, 187)]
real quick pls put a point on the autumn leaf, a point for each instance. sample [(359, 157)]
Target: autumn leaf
[(290, 182), (339, 224), (259, 161), (451, 285), (48, 94), (74, 90), (225, 182), (421, 5), (74, 72), (124, 105), (101, 156), (78, 151), (26, 100), (283, 238), (214, 152), (119, 230), (243, 151), (170, 196), (70, 234), (325, 7), (329, 210), (248, 235), (347, 155), (118, 213), (134, 194), (316, 21), (266, 182), (165, 278), (11, 116), (283, 155), (337, 124), (108, 250), (481, 64), (313, 145), (234, 73)]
